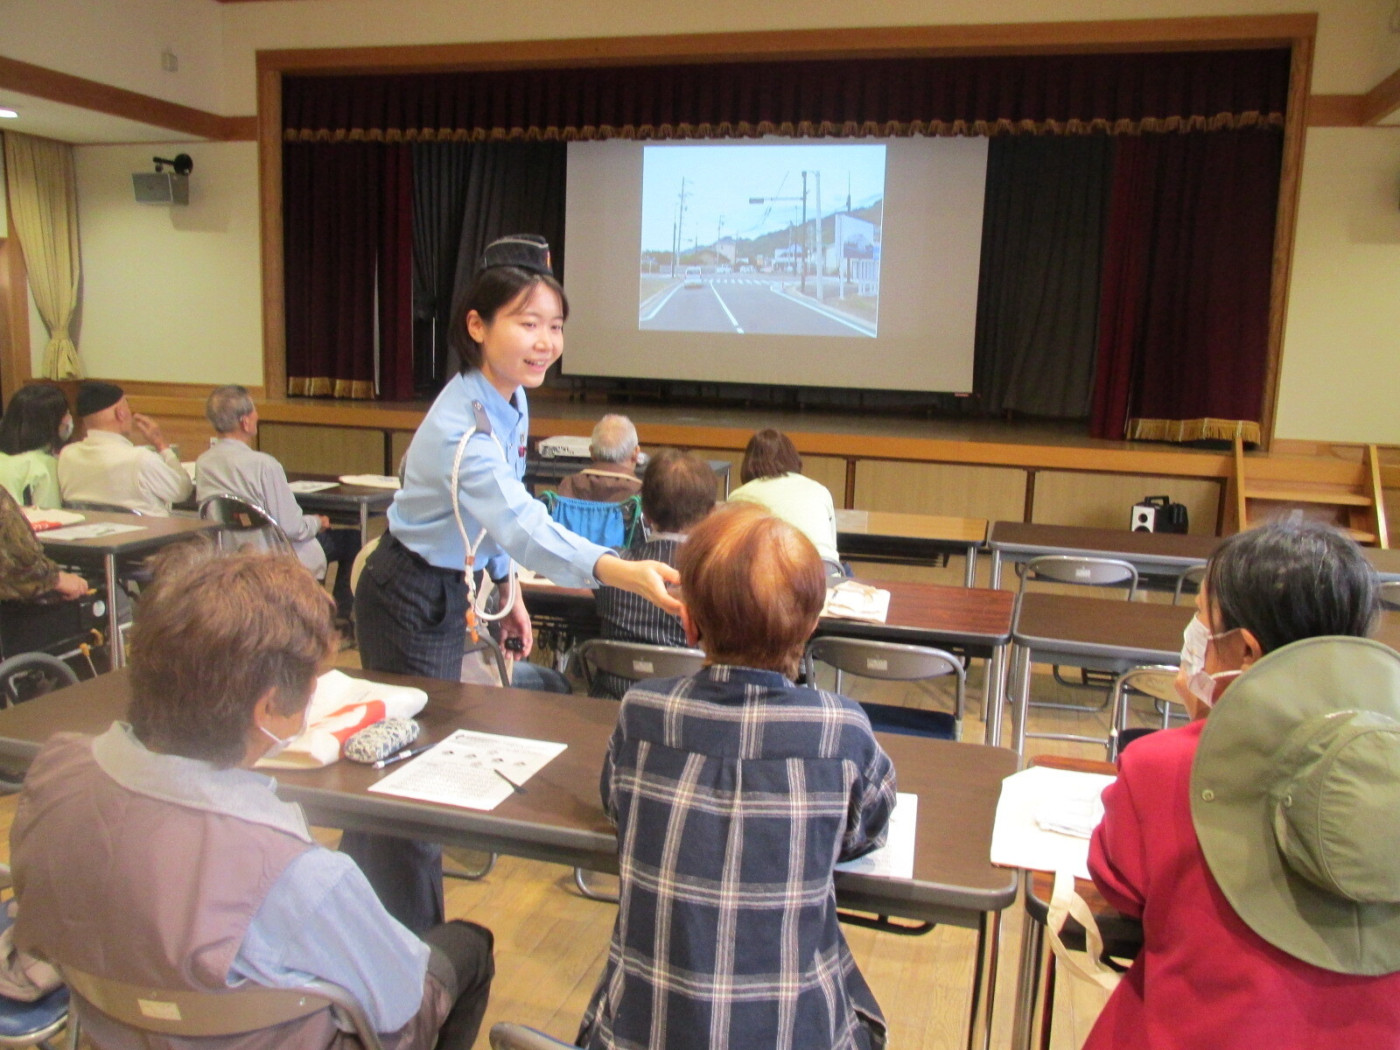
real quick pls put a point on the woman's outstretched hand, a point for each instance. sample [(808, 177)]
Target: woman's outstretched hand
[(647, 578)]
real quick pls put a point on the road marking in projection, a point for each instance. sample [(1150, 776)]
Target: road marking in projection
[(663, 301), (832, 314), (732, 319)]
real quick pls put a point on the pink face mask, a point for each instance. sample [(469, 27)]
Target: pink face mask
[(1194, 641)]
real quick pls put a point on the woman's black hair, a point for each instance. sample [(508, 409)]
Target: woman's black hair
[(1292, 580), (493, 288), (32, 419)]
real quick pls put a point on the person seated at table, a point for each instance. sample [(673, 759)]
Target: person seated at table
[(35, 426), (234, 467), (154, 854), (772, 477), (734, 792), (612, 475), (678, 490), (1249, 939), (105, 467), (26, 573)]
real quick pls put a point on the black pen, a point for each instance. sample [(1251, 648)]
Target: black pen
[(514, 786), (407, 752)]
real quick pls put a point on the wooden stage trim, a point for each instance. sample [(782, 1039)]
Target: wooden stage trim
[(162, 401)]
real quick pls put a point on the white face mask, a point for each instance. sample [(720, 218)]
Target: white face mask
[(1194, 641), (65, 429), (280, 744)]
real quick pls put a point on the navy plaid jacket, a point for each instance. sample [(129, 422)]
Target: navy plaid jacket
[(735, 793)]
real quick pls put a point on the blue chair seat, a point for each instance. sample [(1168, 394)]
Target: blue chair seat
[(37, 1019), (890, 718)]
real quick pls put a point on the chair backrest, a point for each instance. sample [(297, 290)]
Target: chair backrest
[(507, 1036), (106, 508), (1188, 583), (32, 666), (890, 662), (1390, 594), (606, 524), (227, 1012), (1081, 570), (243, 523), (635, 660)]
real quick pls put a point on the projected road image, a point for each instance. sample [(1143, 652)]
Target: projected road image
[(769, 239)]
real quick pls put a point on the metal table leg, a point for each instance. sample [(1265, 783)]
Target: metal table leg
[(994, 704), (970, 572), (114, 640), (984, 981), (995, 583), (1027, 979)]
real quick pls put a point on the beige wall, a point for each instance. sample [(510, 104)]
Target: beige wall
[(1341, 358), (170, 293)]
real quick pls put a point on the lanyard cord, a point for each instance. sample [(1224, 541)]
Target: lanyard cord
[(475, 613)]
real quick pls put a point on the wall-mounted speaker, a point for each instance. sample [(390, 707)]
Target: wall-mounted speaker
[(161, 187)]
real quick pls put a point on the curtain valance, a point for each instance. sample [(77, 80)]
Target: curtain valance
[(1038, 94)]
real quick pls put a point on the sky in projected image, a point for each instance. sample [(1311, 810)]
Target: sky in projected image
[(725, 248)]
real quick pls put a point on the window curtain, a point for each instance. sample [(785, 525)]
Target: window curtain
[(1184, 317), (43, 192), (1038, 293), (348, 227)]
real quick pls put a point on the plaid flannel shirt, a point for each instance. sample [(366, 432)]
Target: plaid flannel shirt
[(735, 793)]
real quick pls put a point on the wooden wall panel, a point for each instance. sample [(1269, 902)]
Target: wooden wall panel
[(323, 450), (1105, 500), (933, 488)]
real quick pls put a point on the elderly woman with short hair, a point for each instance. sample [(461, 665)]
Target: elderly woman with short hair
[(153, 854)]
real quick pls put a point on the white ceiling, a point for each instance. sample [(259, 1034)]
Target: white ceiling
[(54, 120)]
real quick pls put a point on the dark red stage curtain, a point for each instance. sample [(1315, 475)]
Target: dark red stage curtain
[(1122, 93), (1184, 310), (347, 222)]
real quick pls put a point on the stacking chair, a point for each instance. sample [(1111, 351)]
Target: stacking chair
[(507, 1036), (891, 662), (30, 1024), (632, 661), (1390, 595), (227, 1012), (1157, 681), (615, 525), (1188, 583), (1080, 571), (243, 524)]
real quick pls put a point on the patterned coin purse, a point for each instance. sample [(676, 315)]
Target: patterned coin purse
[(381, 740)]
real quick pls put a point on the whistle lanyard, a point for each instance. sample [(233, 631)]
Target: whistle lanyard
[(474, 613)]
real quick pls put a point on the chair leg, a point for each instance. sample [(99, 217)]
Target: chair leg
[(454, 872), (581, 881)]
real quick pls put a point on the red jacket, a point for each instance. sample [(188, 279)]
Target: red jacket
[(1204, 979)]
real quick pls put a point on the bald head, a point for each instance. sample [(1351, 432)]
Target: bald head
[(753, 588), (614, 440)]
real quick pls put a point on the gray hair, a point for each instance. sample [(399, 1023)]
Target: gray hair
[(614, 439), (226, 406)]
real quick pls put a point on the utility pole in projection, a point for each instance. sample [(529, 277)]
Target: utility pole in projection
[(821, 246), (676, 235), (803, 199)]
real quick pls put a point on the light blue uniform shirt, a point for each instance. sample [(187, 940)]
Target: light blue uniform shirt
[(490, 490)]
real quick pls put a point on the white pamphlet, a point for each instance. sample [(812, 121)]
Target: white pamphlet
[(91, 531), (1045, 817), (850, 600), (308, 486), (471, 770), (895, 859)]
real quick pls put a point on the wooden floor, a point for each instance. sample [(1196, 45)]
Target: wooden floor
[(551, 942)]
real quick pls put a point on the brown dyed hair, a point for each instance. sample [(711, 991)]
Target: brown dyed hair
[(769, 454), (753, 587), (678, 489), (213, 633)]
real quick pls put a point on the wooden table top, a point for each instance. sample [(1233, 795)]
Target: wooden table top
[(1029, 537), (154, 532), (891, 525), (560, 817)]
